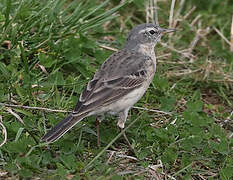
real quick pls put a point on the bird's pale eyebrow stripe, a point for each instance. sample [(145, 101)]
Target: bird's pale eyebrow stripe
[(148, 29)]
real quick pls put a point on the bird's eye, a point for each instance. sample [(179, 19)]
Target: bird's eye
[(152, 32)]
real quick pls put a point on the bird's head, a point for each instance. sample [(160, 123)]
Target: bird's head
[(146, 34)]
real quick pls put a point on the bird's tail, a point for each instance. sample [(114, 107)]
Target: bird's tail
[(62, 127)]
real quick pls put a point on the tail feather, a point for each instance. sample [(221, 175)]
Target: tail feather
[(62, 127)]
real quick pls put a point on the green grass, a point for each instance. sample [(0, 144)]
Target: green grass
[(50, 49)]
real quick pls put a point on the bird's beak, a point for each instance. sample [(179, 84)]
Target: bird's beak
[(164, 31)]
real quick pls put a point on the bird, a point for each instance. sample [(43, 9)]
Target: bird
[(119, 83)]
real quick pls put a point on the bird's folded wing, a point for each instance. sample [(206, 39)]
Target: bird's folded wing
[(119, 75), (107, 92)]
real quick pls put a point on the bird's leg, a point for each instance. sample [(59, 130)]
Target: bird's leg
[(121, 123), (98, 131), (127, 141)]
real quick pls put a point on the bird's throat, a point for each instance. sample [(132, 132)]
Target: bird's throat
[(146, 49)]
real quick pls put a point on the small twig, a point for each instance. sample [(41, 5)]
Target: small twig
[(222, 36), (108, 48), (4, 132), (110, 157), (152, 110), (15, 114), (64, 111), (121, 155), (127, 157), (35, 108), (21, 120)]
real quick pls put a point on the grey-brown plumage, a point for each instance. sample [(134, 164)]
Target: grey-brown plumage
[(119, 83)]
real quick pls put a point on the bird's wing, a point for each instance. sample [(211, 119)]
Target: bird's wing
[(118, 76)]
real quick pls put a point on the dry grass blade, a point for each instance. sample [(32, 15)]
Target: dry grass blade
[(171, 20), (42, 68), (195, 20), (151, 12), (183, 72), (120, 154), (171, 13), (64, 111), (154, 14), (184, 52), (231, 46), (110, 157), (147, 11), (108, 48), (4, 132), (127, 157), (199, 33), (163, 56), (152, 110), (15, 114), (194, 41), (35, 108), (178, 12), (181, 5), (222, 36), (189, 12)]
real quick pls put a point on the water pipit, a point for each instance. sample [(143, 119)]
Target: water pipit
[(119, 83)]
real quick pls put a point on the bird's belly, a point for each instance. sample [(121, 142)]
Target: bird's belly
[(127, 101), (130, 99)]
